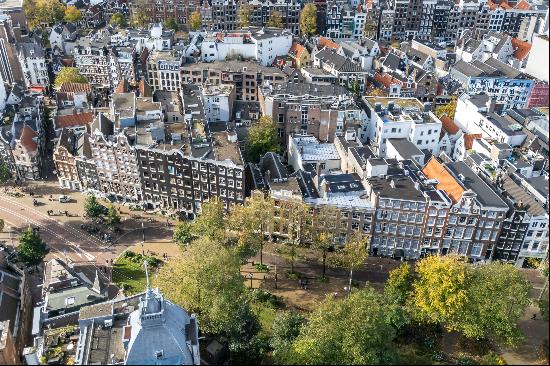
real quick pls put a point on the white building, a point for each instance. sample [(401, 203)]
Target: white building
[(33, 63), (396, 118), (163, 71), (537, 63), (475, 114), (218, 102), (306, 149), (262, 45)]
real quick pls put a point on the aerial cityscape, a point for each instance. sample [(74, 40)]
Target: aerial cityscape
[(280, 182)]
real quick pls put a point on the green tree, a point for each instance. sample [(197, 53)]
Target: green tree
[(182, 234), (355, 87), (93, 208), (139, 17), (5, 173), (244, 345), (369, 30), (43, 12), (72, 14), (251, 222), (243, 15), (298, 229), (497, 297), (113, 218), (31, 249), (118, 20), (207, 281), (262, 138), (284, 330), (308, 20), (439, 291), (171, 23), (211, 221), (275, 20), (448, 109), (353, 255), (69, 75), (195, 21), (397, 292), (349, 331)]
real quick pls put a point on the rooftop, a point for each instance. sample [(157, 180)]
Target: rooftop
[(401, 102), (405, 148), (311, 149), (223, 89), (124, 104), (396, 187)]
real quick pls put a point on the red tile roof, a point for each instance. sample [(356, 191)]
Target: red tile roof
[(72, 120), (296, 50), (386, 79), (122, 86), (449, 125), (521, 48), (469, 139), (523, 5), (446, 182), (27, 138), (328, 43), (75, 88)]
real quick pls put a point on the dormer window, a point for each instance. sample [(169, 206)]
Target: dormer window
[(159, 354)]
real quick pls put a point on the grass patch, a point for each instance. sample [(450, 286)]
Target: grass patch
[(129, 274)]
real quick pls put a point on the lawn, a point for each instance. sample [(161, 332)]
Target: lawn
[(129, 273)]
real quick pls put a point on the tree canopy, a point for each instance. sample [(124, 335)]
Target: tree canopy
[(211, 221), (31, 249), (72, 14), (5, 173), (275, 20), (448, 109), (171, 23), (308, 20), (262, 138), (113, 218), (182, 234), (69, 75), (348, 331), (139, 17), (284, 330), (243, 15), (92, 207), (195, 21), (481, 302), (43, 12), (118, 20)]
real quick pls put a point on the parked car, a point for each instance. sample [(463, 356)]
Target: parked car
[(64, 198)]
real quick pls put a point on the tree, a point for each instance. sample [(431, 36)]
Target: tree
[(182, 234), (323, 240), (31, 249), (349, 331), (195, 21), (369, 30), (353, 255), (207, 281), (308, 20), (397, 291), (211, 222), (262, 138), (69, 75), (251, 222), (139, 17), (43, 12), (92, 207), (355, 87), (113, 218), (446, 109), (72, 14), (243, 15), (5, 173), (439, 291), (243, 343), (275, 20), (497, 297), (298, 229), (118, 20), (171, 23), (284, 330), (377, 92), (323, 235)]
